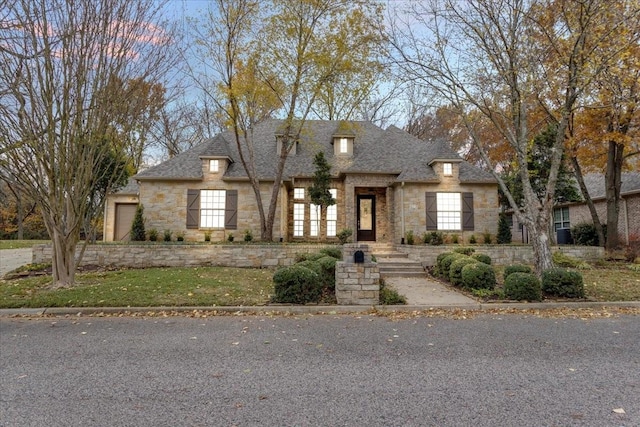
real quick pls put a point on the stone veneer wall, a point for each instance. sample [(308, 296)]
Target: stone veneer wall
[(500, 254), (186, 255), (381, 187), (485, 208), (628, 218), (357, 284)]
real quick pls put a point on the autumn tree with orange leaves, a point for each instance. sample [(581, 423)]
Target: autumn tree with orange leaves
[(507, 62)]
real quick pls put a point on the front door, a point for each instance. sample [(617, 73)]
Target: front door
[(366, 218)]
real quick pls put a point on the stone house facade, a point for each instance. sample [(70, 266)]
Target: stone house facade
[(385, 183)]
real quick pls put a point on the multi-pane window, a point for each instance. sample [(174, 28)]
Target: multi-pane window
[(332, 215), (214, 165), (561, 218), (447, 169), (298, 193), (298, 219), (449, 211), (212, 204), (314, 219)]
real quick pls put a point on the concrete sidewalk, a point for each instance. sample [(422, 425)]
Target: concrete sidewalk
[(428, 292), (10, 259)]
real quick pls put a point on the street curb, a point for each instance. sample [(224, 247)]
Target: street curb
[(309, 309)]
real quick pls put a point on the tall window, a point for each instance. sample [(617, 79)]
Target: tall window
[(561, 218), (298, 219), (212, 208), (449, 211), (214, 165), (344, 145), (314, 219), (447, 169), (332, 215)]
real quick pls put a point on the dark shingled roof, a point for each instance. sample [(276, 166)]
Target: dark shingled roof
[(391, 151), (630, 183)]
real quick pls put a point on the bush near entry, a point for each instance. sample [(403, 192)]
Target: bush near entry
[(522, 287), (445, 265), (297, 284), (483, 258), (455, 271), (516, 268), (478, 275), (563, 283), (437, 268)]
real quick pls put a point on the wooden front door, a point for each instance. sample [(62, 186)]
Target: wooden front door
[(366, 218)]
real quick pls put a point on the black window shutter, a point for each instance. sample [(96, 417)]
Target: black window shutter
[(231, 210), (467, 211), (432, 211), (193, 208)]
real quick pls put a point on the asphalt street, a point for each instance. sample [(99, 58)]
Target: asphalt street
[(510, 370)]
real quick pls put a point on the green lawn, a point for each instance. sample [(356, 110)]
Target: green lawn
[(19, 244), (202, 286)]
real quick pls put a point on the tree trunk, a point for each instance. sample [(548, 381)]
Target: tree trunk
[(587, 197), (613, 183), (542, 256), (63, 260)]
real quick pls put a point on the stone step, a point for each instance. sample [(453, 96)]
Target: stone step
[(390, 254), (403, 274)]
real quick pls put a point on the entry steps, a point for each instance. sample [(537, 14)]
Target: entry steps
[(396, 264)]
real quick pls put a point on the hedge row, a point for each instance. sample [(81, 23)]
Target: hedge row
[(463, 268)]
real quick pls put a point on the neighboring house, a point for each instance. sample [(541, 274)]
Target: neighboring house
[(385, 183), (567, 215)]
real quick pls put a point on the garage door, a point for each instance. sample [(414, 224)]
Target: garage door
[(124, 218)]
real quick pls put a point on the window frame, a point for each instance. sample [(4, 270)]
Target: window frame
[(297, 193), (559, 221), (332, 215), (212, 209), (447, 169), (214, 165), (298, 219), (449, 211)]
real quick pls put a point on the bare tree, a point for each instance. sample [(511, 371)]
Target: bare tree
[(58, 139), (278, 58), (512, 62)]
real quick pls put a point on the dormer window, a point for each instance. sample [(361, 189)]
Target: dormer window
[(280, 139), (214, 165), (447, 169), (342, 146)]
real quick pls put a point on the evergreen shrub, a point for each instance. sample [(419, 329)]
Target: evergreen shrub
[(483, 258), (516, 268), (437, 271), (138, 233), (522, 287), (455, 270), (297, 285), (478, 275), (446, 264), (563, 283)]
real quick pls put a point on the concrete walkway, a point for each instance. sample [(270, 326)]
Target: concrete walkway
[(10, 259), (427, 292)]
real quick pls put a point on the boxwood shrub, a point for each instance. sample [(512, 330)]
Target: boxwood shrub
[(437, 271), (483, 258), (446, 264), (297, 284), (455, 270), (464, 251), (522, 287), (516, 268), (332, 252), (478, 275), (563, 283)]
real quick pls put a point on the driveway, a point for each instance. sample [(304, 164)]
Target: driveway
[(10, 259)]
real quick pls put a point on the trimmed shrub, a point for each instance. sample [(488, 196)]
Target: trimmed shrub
[(307, 257), (455, 270), (563, 260), (438, 267), (332, 252), (464, 251), (483, 258), (563, 283), (522, 287), (344, 235), (446, 264), (516, 268), (248, 236), (296, 285), (437, 238), (478, 275), (586, 234), (311, 265)]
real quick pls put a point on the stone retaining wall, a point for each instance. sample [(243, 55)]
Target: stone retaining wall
[(186, 255), (500, 254)]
